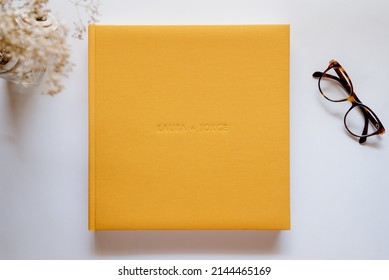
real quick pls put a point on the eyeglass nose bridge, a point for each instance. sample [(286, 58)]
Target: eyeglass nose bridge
[(351, 98)]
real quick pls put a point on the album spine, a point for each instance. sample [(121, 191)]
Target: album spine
[(91, 130)]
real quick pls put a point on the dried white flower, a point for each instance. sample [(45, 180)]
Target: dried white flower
[(33, 42)]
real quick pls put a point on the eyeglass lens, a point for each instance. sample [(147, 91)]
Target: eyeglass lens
[(356, 119), (334, 88)]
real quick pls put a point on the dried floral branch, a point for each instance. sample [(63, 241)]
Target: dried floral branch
[(90, 8), (25, 38), (33, 42)]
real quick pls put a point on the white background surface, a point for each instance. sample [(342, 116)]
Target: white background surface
[(339, 188)]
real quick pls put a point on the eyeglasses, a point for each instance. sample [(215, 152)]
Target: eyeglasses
[(335, 85)]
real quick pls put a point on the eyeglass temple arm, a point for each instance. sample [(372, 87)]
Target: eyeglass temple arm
[(366, 113)]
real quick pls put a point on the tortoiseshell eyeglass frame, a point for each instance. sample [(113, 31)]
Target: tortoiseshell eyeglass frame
[(346, 83)]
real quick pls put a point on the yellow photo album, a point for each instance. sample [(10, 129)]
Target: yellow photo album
[(189, 127)]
